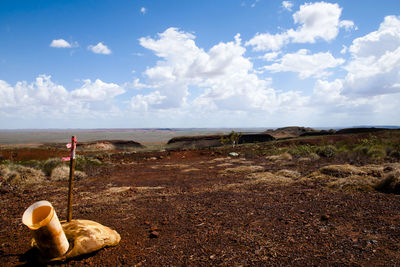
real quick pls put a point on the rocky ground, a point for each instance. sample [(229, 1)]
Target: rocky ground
[(206, 207)]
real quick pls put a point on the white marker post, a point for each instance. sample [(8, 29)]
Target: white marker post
[(71, 178)]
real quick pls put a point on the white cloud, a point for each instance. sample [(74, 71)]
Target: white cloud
[(348, 25), (377, 43), (370, 91), (287, 5), (97, 91), (266, 41), (41, 96), (270, 56), (319, 20), (143, 10), (225, 77), (60, 43), (306, 64), (375, 65), (143, 102), (45, 99), (344, 50), (100, 48)]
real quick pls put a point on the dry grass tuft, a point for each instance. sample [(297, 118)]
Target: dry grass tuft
[(354, 183), (176, 166), (19, 175), (190, 170), (288, 173), (283, 156), (61, 173), (342, 170), (243, 169), (390, 183), (267, 177), (227, 164)]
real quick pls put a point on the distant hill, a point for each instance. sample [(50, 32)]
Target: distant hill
[(202, 141), (290, 132)]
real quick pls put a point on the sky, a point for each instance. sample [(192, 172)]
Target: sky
[(179, 63)]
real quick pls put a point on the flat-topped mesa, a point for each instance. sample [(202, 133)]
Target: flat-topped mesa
[(109, 145), (290, 131), (204, 141)]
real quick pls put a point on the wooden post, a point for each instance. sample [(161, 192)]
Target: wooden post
[(71, 178)]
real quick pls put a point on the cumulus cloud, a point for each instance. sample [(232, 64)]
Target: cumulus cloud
[(288, 5), (43, 99), (270, 56), (143, 10), (306, 64), (317, 21), (266, 41), (370, 90), (60, 43), (143, 102), (97, 91), (226, 78), (375, 65), (100, 48), (29, 99), (348, 25)]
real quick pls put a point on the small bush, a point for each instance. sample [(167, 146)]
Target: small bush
[(61, 173), (14, 174), (302, 150), (328, 151), (376, 152), (51, 164), (390, 183), (82, 162)]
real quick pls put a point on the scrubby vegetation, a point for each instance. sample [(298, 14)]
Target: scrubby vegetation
[(23, 173)]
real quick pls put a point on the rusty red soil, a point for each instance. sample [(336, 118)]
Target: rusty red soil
[(181, 208)]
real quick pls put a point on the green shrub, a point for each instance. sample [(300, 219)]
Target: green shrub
[(376, 152), (51, 164), (302, 150), (82, 162), (361, 149), (328, 151)]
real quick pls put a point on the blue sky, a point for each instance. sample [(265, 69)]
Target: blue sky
[(226, 63)]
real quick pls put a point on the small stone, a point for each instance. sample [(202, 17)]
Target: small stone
[(154, 234), (146, 222), (212, 257), (154, 228), (373, 241), (325, 217), (234, 154)]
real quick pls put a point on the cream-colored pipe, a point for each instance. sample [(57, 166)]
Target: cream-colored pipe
[(42, 219)]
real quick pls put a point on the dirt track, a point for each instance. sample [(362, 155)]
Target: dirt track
[(207, 211)]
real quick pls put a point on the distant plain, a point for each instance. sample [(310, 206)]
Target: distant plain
[(143, 136)]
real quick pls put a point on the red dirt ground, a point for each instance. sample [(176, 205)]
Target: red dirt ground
[(206, 216)]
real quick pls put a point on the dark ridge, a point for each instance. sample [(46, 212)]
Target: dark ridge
[(291, 131), (318, 133), (194, 138), (360, 130), (255, 138), (116, 143), (204, 141)]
